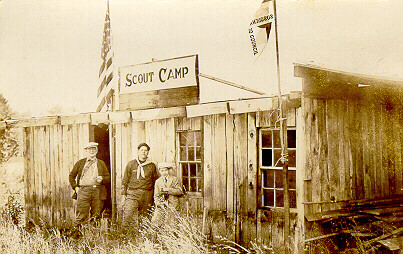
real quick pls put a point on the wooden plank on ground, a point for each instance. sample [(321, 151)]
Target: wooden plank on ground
[(229, 133), (158, 113), (207, 109)]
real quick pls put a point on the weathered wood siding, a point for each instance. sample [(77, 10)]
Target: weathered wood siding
[(50, 152), (353, 151)]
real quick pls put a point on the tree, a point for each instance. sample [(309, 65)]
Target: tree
[(8, 137)]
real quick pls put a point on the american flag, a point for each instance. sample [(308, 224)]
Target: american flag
[(105, 89)]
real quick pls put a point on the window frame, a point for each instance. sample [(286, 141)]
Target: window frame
[(275, 169), (200, 179)]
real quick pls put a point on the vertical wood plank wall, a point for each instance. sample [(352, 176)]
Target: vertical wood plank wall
[(230, 161), (353, 151), (50, 153)]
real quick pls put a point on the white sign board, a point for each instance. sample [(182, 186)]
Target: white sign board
[(159, 75)]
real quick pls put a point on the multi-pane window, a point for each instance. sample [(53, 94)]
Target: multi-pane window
[(190, 154), (271, 174)]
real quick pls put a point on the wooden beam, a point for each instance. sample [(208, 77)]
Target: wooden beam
[(31, 122), (119, 117), (207, 109), (158, 113), (75, 119), (254, 105), (100, 117)]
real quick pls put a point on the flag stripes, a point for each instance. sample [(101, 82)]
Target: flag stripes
[(106, 68)]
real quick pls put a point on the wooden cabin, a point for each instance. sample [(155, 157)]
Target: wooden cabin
[(345, 136)]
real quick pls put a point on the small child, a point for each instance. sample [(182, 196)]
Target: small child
[(167, 190)]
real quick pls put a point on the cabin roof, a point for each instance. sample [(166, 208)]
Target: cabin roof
[(333, 84)]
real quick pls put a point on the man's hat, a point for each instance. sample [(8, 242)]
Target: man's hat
[(164, 165), (91, 144), (143, 144)]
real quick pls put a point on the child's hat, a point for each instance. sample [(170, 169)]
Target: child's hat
[(164, 165)]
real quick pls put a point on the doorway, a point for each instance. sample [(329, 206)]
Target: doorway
[(100, 134)]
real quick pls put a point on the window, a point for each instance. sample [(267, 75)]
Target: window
[(271, 175), (190, 154)]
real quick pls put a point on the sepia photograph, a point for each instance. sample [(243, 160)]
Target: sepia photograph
[(188, 126)]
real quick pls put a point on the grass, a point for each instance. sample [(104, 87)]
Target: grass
[(183, 236)]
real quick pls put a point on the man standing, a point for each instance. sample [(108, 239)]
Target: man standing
[(137, 188), (88, 178)]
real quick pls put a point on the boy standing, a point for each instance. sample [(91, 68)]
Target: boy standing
[(167, 190)]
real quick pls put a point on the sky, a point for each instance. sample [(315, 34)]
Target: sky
[(50, 51)]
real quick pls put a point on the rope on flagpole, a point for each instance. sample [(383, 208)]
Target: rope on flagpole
[(284, 145)]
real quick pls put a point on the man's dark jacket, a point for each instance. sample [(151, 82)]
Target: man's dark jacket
[(102, 171)]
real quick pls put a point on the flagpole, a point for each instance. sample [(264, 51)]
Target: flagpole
[(284, 143)]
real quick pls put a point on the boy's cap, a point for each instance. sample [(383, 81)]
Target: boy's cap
[(164, 165), (91, 144), (143, 144)]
